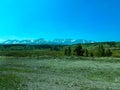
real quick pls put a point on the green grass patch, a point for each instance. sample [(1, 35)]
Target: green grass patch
[(10, 82)]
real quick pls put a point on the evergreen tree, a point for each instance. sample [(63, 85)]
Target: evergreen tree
[(66, 52), (108, 53), (79, 51), (86, 53), (101, 51), (69, 51), (91, 54)]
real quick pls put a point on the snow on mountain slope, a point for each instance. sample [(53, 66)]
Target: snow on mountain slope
[(43, 41)]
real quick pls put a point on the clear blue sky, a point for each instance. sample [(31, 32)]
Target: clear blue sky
[(97, 20)]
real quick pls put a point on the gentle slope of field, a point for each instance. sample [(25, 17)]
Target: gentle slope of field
[(58, 74)]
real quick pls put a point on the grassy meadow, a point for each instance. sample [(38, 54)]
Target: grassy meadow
[(93, 66), (66, 73)]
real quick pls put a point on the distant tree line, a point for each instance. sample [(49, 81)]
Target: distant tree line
[(56, 50), (15, 47), (102, 52), (79, 51)]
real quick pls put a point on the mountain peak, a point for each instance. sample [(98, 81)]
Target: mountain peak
[(43, 41)]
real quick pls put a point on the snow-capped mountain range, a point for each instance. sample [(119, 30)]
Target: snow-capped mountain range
[(43, 41)]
